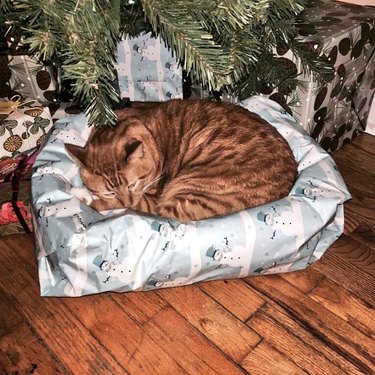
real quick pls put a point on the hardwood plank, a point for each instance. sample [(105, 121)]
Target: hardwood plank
[(231, 294), (126, 341), (305, 356), (193, 352), (345, 305), (49, 318), (266, 360), (365, 235), (347, 275), (283, 326), (112, 337), (332, 325), (351, 221), (360, 160), (353, 171), (341, 336), (355, 162), (9, 317), (212, 320), (140, 306), (360, 211), (115, 338), (365, 143), (304, 280), (22, 353), (355, 253), (362, 147)]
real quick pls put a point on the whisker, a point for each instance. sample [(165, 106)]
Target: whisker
[(152, 182)]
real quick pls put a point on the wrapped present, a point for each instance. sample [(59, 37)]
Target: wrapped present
[(147, 71), (24, 128), (24, 75), (9, 222), (15, 214), (345, 35), (81, 251)]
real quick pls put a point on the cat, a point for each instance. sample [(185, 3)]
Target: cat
[(186, 160)]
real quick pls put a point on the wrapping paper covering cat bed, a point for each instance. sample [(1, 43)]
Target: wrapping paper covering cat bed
[(81, 251)]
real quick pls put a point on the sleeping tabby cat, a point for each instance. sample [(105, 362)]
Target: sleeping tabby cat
[(186, 160)]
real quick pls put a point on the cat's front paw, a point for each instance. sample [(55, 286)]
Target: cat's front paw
[(83, 195)]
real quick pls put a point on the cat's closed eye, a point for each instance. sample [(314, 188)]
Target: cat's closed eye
[(108, 194), (132, 186)]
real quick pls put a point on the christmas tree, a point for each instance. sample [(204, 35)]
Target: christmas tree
[(221, 43)]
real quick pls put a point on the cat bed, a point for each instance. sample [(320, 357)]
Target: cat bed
[(81, 251)]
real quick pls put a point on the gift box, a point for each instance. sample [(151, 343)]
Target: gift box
[(9, 222), (147, 71), (344, 34), (24, 128), (24, 75), (15, 174), (9, 165), (81, 251)]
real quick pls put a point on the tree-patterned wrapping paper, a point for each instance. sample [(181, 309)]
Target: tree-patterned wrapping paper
[(147, 71), (23, 129), (81, 251), (345, 35)]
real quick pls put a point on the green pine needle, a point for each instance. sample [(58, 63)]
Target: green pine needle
[(222, 43)]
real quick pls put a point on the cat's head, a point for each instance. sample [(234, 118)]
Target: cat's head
[(118, 164)]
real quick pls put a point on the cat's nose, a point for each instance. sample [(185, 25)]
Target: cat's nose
[(124, 201), (129, 201)]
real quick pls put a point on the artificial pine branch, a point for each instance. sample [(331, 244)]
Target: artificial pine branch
[(221, 42), (191, 42), (90, 56), (82, 35)]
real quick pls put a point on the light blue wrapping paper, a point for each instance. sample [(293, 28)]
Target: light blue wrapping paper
[(81, 251), (147, 71)]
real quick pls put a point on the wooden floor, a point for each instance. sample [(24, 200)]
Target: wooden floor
[(318, 321)]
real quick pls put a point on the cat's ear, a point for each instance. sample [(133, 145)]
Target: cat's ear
[(77, 153), (134, 150)]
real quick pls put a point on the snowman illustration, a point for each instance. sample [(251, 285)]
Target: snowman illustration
[(170, 95), (171, 68), (227, 257), (147, 52), (173, 95), (60, 209), (167, 281), (313, 192), (123, 271), (168, 232), (279, 222), (281, 266)]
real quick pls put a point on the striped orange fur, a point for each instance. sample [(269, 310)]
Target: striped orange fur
[(186, 160)]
